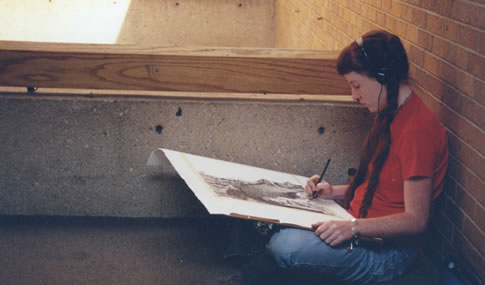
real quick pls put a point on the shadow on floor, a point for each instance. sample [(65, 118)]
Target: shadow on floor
[(62, 250), (94, 250)]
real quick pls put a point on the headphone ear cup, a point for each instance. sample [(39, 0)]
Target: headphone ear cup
[(381, 76)]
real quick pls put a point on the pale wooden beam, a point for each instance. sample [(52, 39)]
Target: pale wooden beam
[(109, 95), (122, 67)]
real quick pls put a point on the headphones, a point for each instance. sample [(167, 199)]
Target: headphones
[(378, 73)]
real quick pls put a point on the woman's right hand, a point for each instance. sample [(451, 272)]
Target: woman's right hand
[(321, 190)]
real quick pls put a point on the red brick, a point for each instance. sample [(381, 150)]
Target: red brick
[(434, 24), (475, 137), (428, 4), (448, 95), (454, 214), (400, 27), (469, 180), (380, 18), (412, 34), (468, 37), (470, 134), (372, 14), (415, 2), (416, 55), (479, 91), (444, 8), (476, 65), (364, 11), (464, 82), (431, 64), (465, 202), (367, 25), (387, 6), (458, 56), (440, 47), (419, 17), (481, 44), (480, 217), (425, 40), (396, 9), (447, 73), (461, 11), (473, 255), (376, 3), (450, 30), (472, 232), (468, 156), (391, 23), (406, 13), (450, 187), (477, 16), (475, 113), (417, 74)]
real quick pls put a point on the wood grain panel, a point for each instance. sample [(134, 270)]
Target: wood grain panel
[(169, 69)]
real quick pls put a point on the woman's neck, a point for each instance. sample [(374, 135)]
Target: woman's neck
[(404, 93)]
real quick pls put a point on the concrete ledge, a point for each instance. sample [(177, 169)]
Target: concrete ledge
[(74, 156)]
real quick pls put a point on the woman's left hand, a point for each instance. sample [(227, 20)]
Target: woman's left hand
[(334, 232)]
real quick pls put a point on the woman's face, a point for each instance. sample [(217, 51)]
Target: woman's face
[(366, 91)]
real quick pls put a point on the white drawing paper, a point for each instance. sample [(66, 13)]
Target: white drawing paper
[(244, 191)]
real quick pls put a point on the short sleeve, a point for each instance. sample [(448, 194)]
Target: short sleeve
[(416, 154)]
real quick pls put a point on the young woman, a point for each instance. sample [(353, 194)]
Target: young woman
[(400, 175)]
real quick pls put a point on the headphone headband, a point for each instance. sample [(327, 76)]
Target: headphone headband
[(380, 73)]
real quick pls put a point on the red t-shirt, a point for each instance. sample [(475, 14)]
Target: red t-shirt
[(419, 147)]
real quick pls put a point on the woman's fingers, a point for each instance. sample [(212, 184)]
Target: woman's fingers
[(310, 186), (331, 232)]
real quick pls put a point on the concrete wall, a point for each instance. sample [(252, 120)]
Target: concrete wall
[(220, 23), (247, 23), (74, 156)]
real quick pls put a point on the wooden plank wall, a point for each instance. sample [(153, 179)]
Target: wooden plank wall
[(125, 67)]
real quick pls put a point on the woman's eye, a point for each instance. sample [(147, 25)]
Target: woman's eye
[(356, 86)]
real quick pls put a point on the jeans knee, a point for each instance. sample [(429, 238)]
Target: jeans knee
[(285, 245)]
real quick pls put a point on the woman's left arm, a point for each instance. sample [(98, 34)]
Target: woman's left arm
[(414, 219)]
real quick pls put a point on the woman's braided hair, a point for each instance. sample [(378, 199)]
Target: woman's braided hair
[(384, 50)]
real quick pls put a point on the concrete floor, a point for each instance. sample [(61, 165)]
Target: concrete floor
[(114, 251), (88, 250)]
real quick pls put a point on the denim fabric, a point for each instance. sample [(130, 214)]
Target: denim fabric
[(303, 250)]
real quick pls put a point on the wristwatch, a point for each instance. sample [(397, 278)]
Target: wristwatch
[(355, 239), (355, 227)]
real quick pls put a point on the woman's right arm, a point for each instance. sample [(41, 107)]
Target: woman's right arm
[(324, 190)]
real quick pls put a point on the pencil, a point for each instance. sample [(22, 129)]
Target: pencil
[(315, 193)]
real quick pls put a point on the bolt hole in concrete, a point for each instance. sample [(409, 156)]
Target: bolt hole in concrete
[(159, 129)]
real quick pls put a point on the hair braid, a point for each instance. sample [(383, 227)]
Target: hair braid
[(383, 144)]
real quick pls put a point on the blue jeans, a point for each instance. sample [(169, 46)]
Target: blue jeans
[(303, 250)]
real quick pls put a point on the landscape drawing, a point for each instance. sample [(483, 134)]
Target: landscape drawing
[(282, 194), (245, 191)]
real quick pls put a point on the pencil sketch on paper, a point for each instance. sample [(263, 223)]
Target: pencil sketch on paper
[(230, 188), (284, 194)]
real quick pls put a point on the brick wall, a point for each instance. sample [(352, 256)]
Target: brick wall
[(445, 41)]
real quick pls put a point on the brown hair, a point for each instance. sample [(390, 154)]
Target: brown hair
[(380, 51)]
